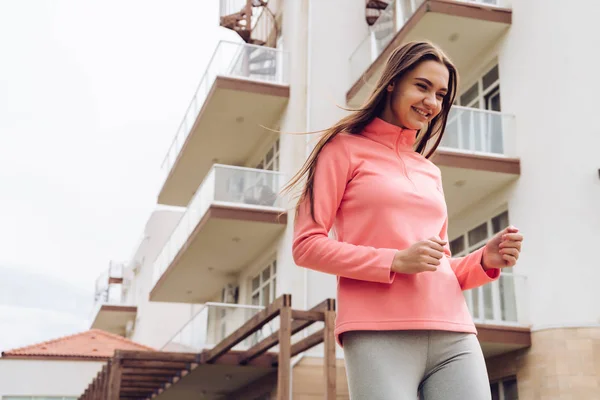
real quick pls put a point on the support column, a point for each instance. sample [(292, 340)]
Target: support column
[(285, 351), (330, 360), (114, 378)]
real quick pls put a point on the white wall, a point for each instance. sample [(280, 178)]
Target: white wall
[(156, 322), (46, 378), (548, 65), (294, 41)]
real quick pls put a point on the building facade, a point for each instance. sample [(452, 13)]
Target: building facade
[(518, 150)]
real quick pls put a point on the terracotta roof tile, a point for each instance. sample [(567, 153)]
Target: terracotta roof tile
[(92, 344)]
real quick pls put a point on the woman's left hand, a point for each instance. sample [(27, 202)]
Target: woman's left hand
[(503, 249)]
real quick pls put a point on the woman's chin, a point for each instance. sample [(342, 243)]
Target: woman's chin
[(415, 125)]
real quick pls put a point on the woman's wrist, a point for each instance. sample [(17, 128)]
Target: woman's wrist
[(483, 257), (397, 262)]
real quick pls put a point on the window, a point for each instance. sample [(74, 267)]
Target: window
[(486, 127), (479, 95), (505, 389), (496, 301), (263, 286), (270, 160), (263, 292), (229, 295)]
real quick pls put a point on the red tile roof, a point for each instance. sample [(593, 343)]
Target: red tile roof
[(93, 345)]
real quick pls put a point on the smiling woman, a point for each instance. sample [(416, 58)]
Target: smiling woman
[(417, 98), (402, 319)]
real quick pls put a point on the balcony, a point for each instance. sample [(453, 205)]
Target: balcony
[(111, 312), (500, 311), (476, 155), (234, 215), (244, 89), (462, 28), (215, 322)]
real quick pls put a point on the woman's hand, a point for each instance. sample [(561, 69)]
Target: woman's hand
[(420, 257), (503, 249)]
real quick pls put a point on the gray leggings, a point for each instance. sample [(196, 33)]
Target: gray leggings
[(396, 365)]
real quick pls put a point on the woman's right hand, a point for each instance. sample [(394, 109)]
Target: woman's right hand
[(420, 257)]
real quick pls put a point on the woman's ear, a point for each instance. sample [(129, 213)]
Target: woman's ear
[(390, 87)]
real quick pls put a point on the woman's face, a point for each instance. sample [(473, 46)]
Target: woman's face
[(417, 98)]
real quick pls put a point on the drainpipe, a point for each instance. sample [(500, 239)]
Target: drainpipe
[(300, 356)]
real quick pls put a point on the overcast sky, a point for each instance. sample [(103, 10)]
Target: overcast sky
[(91, 94)]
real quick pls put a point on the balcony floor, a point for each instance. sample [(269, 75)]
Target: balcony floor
[(227, 130), (496, 340), (113, 318), (463, 30), (225, 240), (213, 381), (469, 178)]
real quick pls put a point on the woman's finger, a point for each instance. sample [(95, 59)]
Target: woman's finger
[(432, 261), (510, 260), (513, 236), (510, 244), (511, 251)]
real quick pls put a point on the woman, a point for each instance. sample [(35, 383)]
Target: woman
[(402, 319)]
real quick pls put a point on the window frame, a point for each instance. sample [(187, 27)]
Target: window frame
[(479, 102), (491, 292), (270, 160), (501, 386), (270, 282)]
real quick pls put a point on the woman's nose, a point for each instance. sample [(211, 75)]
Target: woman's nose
[(430, 101)]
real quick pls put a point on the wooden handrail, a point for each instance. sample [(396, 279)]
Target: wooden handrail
[(145, 375), (306, 319), (259, 320)]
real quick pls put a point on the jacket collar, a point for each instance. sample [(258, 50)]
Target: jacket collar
[(390, 135)]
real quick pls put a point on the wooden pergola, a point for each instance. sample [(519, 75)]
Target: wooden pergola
[(221, 371)]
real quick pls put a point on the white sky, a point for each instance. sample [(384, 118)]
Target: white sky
[(91, 94)]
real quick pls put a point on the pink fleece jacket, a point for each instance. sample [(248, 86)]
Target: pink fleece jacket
[(381, 196)]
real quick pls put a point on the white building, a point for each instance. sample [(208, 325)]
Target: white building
[(519, 149), (58, 369)]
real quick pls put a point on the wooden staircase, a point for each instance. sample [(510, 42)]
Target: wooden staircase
[(256, 24), (374, 9), (251, 19), (130, 375)]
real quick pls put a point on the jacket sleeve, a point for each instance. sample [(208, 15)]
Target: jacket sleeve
[(469, 269), (313, 248)]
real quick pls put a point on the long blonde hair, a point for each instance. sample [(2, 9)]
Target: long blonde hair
[(402, 60)]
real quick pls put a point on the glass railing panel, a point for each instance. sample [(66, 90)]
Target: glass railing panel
[(479, 131), (215, 322), (502, 302)]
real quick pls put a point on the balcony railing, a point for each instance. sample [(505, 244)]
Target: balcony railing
[(502, 302), (213, 323), (108, 287), (479, 131), (384, 29), (237, 60), (224, 185), (111, 288)]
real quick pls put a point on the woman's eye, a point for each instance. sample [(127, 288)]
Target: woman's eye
[(420, 85)]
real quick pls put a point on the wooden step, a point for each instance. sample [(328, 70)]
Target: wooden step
[(377, 4)]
